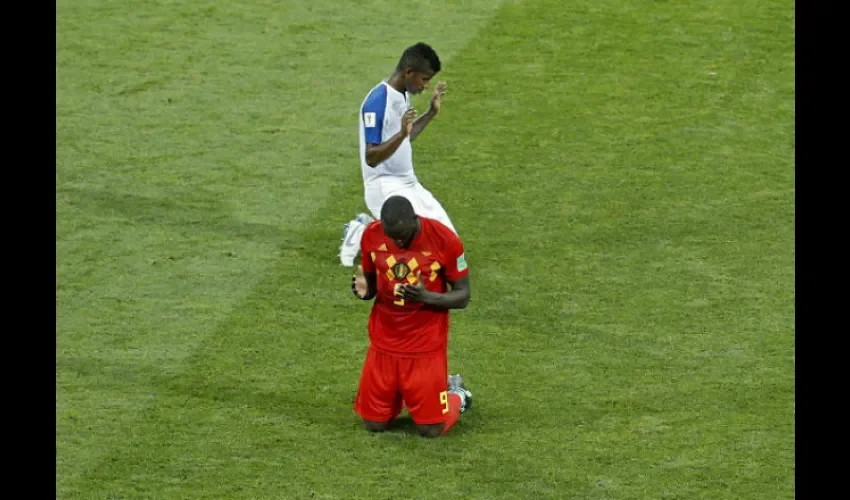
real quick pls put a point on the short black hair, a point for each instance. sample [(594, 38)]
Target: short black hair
[(397, 210), (421, 57)]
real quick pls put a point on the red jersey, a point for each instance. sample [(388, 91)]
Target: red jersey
[(404, 327)]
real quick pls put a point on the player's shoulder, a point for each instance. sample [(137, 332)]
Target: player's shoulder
[(439, 231), (374, 233), (374, 226), (377, 96)]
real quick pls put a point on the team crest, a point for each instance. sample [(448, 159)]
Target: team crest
[(401, 270)]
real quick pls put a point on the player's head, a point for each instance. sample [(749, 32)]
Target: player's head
[(418, 64), (399, 221)]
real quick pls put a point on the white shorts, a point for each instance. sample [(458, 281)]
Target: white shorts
[(423, 201)]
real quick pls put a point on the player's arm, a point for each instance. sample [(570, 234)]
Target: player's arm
[(377, 151), (456, 298), (423, 121), (364, 284), (420, 124)]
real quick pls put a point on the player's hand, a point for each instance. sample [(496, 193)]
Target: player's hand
[(437, 96), (407, 121), (359, 284), (415, 292)]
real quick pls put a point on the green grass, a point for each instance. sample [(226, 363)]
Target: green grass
[(622, 174)]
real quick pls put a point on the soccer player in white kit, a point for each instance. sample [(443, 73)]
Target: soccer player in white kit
[(387, 127)]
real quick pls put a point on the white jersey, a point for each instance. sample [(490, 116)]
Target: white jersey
[(380, 119)]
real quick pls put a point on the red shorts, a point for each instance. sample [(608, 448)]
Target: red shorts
[(390, 382)]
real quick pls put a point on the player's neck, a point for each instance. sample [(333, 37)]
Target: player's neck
[(396, 81)]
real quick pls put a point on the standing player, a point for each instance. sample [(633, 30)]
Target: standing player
[(408, 263), (387, 128)]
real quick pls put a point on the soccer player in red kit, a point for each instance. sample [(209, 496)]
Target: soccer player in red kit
[(408, 263)]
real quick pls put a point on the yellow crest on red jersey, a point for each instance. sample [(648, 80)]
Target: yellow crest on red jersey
[(401, 270)]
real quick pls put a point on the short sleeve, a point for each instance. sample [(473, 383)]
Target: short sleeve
[(365, 254), (372, 115), (456, 267)]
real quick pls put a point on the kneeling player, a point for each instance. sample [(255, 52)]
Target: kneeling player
[(408, 263)]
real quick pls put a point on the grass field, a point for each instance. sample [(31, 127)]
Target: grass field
[(621, 172)]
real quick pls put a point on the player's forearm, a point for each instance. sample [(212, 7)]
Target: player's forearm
[(376, 154), (371, 285), (453, 299), (422, 122)]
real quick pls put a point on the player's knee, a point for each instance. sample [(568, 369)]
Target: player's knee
[(375, 426), (431, 431)]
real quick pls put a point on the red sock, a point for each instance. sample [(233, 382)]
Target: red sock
[(454, 412)]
